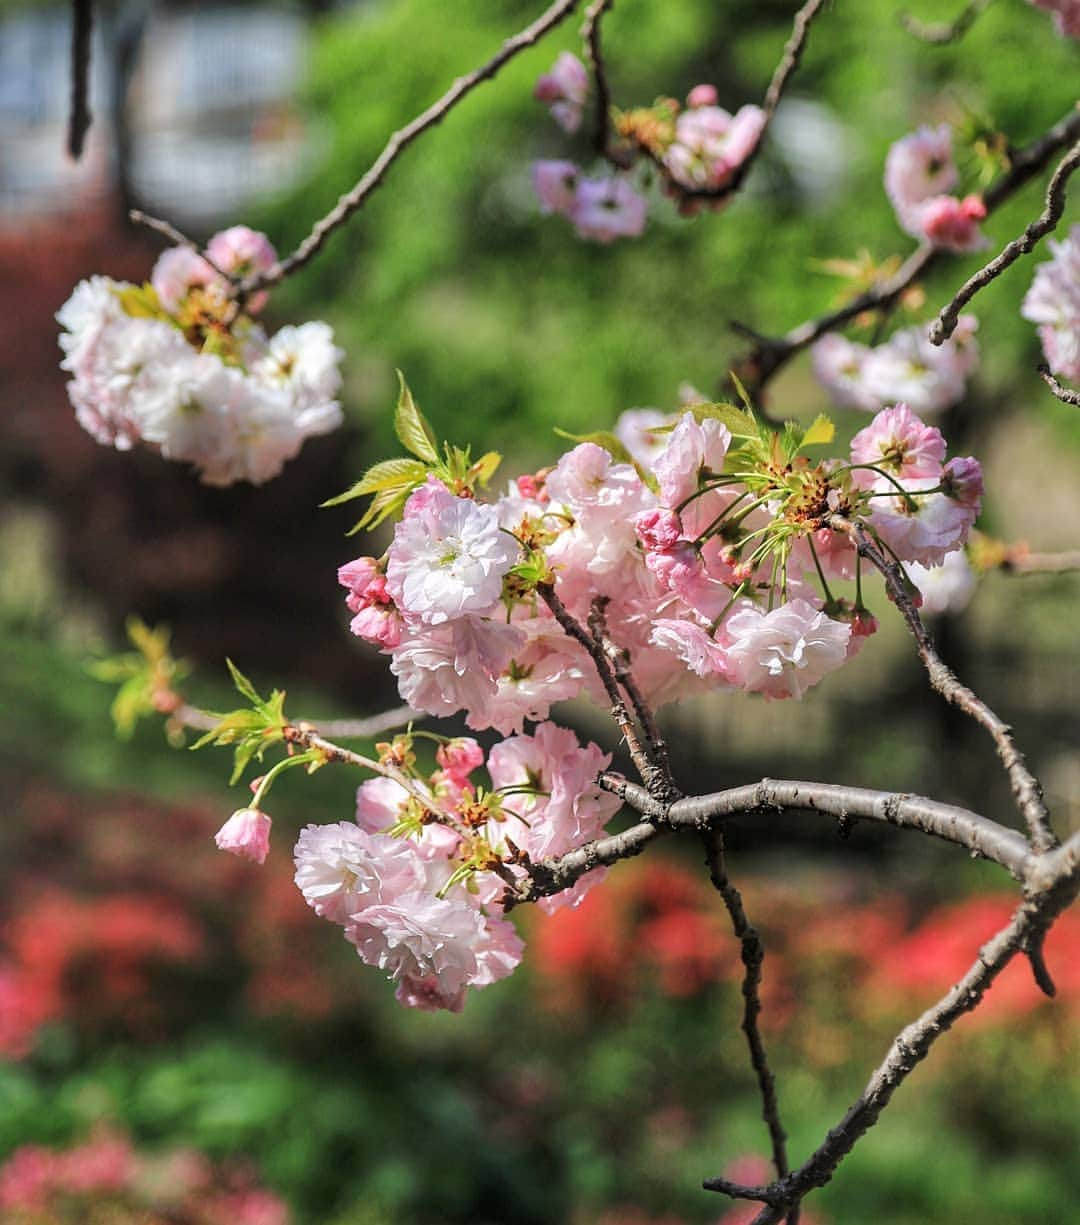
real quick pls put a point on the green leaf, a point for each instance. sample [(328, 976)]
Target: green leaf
[(387, 475), (602, 438), (820, 431), (484, 468), (741, 423), (142, 302), (245, 687), (412, 428)]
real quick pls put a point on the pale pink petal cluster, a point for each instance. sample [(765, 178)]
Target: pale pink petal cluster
[(1053, 302), (921, 506), (710, 143), (564, 89), (784, 652), (906, 367), (919, 175), (224, 398), (601, 209), (946, 588), (247, 834)]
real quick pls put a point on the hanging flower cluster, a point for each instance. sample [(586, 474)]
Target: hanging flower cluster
[(1053, 302), (919, 175), (907, 367), (717, 556), (180, 365), (416, 881), (1066, 15)]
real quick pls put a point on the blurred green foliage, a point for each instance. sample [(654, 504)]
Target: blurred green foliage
[(507, 325)]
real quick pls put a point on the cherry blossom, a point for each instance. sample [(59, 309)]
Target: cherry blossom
[(1053, 302), (247, 834), (564, 89), (784, 652)]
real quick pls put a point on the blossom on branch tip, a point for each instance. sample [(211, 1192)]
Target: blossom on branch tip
[(784, 652), (247, 834)]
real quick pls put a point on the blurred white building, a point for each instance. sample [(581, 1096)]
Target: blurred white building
[(211, 111)]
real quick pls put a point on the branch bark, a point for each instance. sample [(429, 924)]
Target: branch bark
[(400, 141), (79, 119), (770, 354), (753, 955), (1065, 394), (1025, 786), (590, 33), (945, 324)]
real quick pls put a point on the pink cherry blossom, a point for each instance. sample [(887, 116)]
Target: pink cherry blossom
[(448, 558), (692, 644), (1053, 302), (177, 271), (898, 442), (341, 869), (556, 185), (962, 479), (922, 528), (946, 588), (784, 652), (425, 944), (247, 834), (949, 223), (702, 95), (838, 366), (459, 757), (711, 144), (564, 89), (608, 208), (919, 166)]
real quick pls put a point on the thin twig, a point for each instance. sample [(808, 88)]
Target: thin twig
[(1018, 560), (753, 954), (663, 784), (1065, 394), (639, 755), (400, 140), (939, 33), (1025, 786), (590, 33), (945, 324), (79, 119), (167, 230), (1059, 882), (782, 73), (770, 354)]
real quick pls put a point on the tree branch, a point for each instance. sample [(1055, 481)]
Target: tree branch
[(336, 729), (647, 769), (977, 834), (753, 954), (1025, 786), (400, 141), (771, 353), (1065, 394), (782, 73), (940, 33), (590, 33), (945, 324), (79, 119), (1054, 881)]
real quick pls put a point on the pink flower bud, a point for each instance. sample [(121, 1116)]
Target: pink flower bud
[(658, 528), (962, 480), (459, 758), (246, 833), (702, 95)]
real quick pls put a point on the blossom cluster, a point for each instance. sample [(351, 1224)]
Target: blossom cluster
[(417, 880), (708, 542), (180, 365), (920, 174), (1053, 302), (906, 368), (698, 149)]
